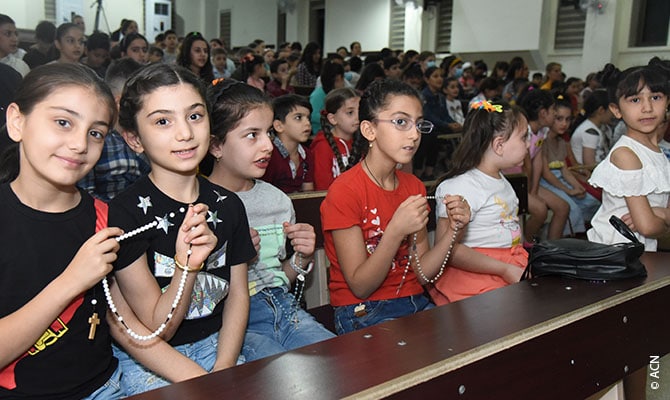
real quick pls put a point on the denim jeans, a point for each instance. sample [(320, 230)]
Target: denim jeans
[(378, 311), (581, 210), (111, 389), (277, 325), (137, 379)]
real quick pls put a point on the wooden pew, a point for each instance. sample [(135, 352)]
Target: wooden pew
[(548, 338)]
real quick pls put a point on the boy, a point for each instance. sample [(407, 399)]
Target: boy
[(155, 54), (281, 74), (170, 51), (219, 61), (97, 52), (290, 167)]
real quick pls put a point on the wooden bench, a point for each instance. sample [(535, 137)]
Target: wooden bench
[(547, 338)]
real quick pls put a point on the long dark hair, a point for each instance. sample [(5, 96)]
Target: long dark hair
[(184, 56), (145, 81), (334, 101), (593, 103), (307, 58), (631, 81), (39, 84), (481, 126), (375, 100), (532, 100)]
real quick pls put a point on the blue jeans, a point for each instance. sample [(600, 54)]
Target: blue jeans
[(379, 311), (111, 389), (581, 210), (277, 325), (137, 379)]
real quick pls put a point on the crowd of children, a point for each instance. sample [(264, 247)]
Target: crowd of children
[(198, 256)]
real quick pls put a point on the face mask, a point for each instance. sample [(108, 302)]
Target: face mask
[(348, 75), (430, 64), (458, 72)]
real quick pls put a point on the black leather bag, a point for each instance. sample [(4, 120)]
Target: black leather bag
[(582, 259)]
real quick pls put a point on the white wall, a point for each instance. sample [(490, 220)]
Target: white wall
[(485, 25), (364, 21), (27, 14), (251, 19)]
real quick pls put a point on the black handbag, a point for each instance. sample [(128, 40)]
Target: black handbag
[(582, 259)]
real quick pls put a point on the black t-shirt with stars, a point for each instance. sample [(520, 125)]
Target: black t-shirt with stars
[(144, 203)]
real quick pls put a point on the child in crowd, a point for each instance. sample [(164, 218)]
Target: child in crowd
[(331, 146), (194, 55), (291, 166), (450, 89), (60, 116), (135, 46), (155, 55), (540, 111), (392, 68), (573, 86), (164, 114), (97, 53), (280, 83), (554, 74), (635, 175), (119, 166), (241, 121), (592, 138), (435, 111), (557, 177), (253, 71), (70, 42), (171, 50), (491, 253), (374, 217), (332, 77), (219, 63)]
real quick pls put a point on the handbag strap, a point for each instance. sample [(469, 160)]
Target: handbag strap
[(623, 229)]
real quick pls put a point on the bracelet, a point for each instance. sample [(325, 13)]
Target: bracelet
[(187, 268), (298, 267)]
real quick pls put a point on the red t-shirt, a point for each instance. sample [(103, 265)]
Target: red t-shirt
[(279, 172), (354, 200), (326, 168)]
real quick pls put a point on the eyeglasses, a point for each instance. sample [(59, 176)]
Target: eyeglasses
[(405, 124)]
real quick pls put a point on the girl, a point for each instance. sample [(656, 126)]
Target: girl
[(435, 110), (59, 118), (557, 177), (592, 139), (331, 147), (194, 55), (254, 71), (540, 109), (241, 120), (635, 175), (70, 43), (450, 89), (164, 114), (374, 217), (135, 46), (490, 254), (309, 67), (370, 73)]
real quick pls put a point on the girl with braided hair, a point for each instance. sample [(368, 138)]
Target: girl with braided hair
[(331, 148)]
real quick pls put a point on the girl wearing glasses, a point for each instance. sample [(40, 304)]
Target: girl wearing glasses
[(374, 216), (490, 254)]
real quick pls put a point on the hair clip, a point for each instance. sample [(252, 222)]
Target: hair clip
[(324, 112), (559, 97), (531, 88), (486, 105), (217, 81)]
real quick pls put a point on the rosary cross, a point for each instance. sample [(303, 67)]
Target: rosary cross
[(94, 321)]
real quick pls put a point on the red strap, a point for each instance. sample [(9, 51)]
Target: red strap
[(100, 214)]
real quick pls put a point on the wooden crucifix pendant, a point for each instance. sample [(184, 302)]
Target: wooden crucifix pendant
[(94, 321)]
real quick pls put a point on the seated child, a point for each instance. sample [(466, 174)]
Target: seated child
[(241, 119), (290, 167)]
